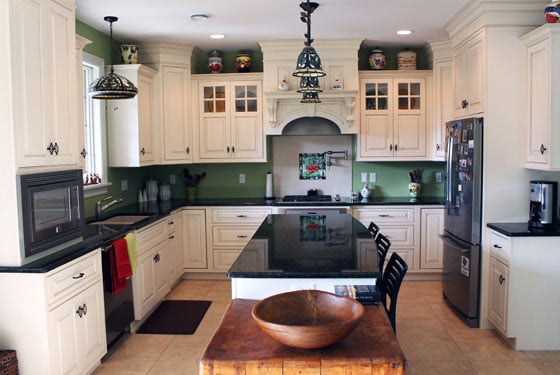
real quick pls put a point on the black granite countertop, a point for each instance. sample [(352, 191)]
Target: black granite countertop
[(94, 236), (522, 230), (308, 246)]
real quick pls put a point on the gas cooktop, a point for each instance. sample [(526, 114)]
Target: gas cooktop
[(307, 198)]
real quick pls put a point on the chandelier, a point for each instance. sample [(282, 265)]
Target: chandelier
[(112, 85), (308, 67)]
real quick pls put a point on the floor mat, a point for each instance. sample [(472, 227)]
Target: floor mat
[(175, 318)]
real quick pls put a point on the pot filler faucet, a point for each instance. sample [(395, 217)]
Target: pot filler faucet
[(329, 156), (100, 207)]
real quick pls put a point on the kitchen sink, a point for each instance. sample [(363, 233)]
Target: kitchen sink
[(121, 220)]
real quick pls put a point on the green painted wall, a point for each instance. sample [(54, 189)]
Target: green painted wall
[(223, 179)]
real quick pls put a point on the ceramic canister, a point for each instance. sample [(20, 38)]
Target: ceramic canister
[(552, 12), (129, 54), (215, 62), (377, 59), (406, 60), (243, 62)]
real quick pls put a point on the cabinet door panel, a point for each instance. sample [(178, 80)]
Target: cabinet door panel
[(431, 247), (410, 136), (93, 341), (194, 236), (497, 309), (176, 129), (146, 119), (376, 136), (539, 112), (65, 357), (214, 138), (247, 137)]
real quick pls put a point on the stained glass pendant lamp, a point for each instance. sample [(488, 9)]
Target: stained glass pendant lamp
[(112, 85), (308, 66)]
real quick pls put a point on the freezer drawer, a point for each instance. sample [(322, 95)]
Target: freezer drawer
[(461, 277)]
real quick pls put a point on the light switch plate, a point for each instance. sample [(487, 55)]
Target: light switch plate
[(124, 185), (438, 177), (364, 176), (241, 178), (172, 179), (373, 177)]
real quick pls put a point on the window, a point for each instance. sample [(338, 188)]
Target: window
[(95, 163)]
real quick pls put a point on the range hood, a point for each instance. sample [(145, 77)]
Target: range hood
[(337, 112)]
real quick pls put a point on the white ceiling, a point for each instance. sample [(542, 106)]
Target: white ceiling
[(247, 21)]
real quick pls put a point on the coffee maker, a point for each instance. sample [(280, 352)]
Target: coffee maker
[(543, 204)]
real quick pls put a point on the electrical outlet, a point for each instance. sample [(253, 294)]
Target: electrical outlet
[(172, 179), (124, 185), (438, 176), (364, 176), (241, 178), (373, 177)]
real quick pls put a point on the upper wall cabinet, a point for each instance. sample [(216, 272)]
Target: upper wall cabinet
[(543, 101), (131, 129), (44, 89), (229, 117), (172, 99), (468, 76), (393, 116)]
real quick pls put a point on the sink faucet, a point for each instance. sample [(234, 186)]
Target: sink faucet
[(100, 207)]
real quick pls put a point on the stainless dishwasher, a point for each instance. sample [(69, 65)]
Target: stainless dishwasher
[(119, 307)]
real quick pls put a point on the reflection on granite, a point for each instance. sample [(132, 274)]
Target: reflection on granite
[(523, 230), (323, 246)]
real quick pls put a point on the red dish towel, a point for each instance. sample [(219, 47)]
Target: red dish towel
[(120, 265)]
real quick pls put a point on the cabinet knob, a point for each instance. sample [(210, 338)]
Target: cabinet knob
[(496, 246), (84, 309), (542, 149), (171, 237), (188, 150), (143, 151), (50, 148), (84, 152), (56, 148), (501, 280), (227, 148), (438, 147), (232, 149), (396, 147), (390, 147), (464, 104)]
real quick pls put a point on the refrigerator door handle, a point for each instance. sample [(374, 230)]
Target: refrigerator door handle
[(465, 248), (450, 193)]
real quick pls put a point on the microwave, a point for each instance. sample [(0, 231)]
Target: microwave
[(51, 212)]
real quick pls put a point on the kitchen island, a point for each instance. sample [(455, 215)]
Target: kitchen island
[(293, 252)]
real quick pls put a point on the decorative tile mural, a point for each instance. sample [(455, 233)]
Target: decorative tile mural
[(312, 228), (312, 166)]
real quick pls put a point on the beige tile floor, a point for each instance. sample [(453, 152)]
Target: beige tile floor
[(433, 339)]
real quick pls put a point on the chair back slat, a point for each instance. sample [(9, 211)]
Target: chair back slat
[(383, 246), (391, 284)]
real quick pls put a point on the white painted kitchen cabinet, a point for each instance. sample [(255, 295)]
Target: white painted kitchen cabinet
[(43, 87), (132, 135), (522, 297), (229, 114), (543, 97), (468, 76), (81, 42), (55, 320), (393, 116), (399, 224), (175, 245), (150, 281), (194, 239), (498, 293), (443, 97), (431, 245), (229, 230)]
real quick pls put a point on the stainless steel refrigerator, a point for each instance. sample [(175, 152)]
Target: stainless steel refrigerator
[(463, 218)]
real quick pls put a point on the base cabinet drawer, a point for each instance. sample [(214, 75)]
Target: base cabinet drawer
[(223, 259)]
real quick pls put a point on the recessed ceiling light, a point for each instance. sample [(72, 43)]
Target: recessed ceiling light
[(217, 36), (199, 17), (404, 32)]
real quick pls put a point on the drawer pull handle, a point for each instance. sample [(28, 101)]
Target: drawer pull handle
[(383, 215), (241, 236), (501, 279), (79, 276), (241, 215), (170, 223), (171, 237), (496, 246)]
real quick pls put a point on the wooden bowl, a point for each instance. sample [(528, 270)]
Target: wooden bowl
[(308, 319)]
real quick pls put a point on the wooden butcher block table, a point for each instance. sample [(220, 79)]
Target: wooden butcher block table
[(240, 347)]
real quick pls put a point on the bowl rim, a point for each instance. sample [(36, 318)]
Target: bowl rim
[(357, 318)]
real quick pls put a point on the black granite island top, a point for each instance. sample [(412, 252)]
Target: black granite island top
[(308, 246)]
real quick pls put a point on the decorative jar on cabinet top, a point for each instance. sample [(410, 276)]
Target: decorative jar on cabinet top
[(406, 60), (243, 62), (129, 54), (552, 12), (377, 59), (215, 62)]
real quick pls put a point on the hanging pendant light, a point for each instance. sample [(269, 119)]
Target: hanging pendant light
[(112, 85), (308, 66)]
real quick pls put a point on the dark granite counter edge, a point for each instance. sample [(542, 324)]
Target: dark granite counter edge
[(522, 230), (302, 275), (94, 236)]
